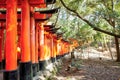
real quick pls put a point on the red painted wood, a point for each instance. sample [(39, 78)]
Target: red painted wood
[(1, 41), (36, 16), (41, 41), (31, 2), (54, 46), (19, 41), (25, 32), (46, 46), (32, 35), (62, 48), (11, 35), (51, 45), (36, 43), (58, 47)]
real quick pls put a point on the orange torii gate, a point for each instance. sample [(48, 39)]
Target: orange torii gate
[(53, 41), (35, 56), (74, 43), (11, 72), (37, 43), (46, 45), (44, 54), (65, 47), (50, 39)]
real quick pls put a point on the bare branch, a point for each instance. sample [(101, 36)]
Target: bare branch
[(112, 4), (57, 17)]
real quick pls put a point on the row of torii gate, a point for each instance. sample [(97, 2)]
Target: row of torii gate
[(28, 38)]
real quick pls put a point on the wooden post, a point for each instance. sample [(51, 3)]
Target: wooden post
[(46, 46), (1, 43), (54, 46), (32, 40), (58, 49), (51, 48), (36, 46), (41, 47), (62, 48), (25, 65), (19, 41), (4, 51), (11, 41), (57, 52)]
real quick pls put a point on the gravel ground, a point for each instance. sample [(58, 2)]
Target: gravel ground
[(90, 70), (95, 66)]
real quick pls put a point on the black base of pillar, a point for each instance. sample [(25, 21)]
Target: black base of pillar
[(42, 65), (50, 1), (63, 55), (37, 64), (10, 75), (26, 71), (53, 59), (3, 64), (58, 56), (67, 53), (18, 62), (34, 69)]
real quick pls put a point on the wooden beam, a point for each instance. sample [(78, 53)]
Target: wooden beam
[(50, 11), (37, 16), (33, 3)]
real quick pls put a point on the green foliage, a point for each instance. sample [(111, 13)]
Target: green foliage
[(104, 14)]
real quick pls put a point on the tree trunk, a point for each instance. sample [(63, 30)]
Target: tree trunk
[(72, 55), (117, 49), (107, 47), (110, 51)]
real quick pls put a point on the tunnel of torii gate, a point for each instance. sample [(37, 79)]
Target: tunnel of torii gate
[(27, 42)]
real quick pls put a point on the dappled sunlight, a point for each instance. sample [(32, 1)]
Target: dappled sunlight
[(91, 68), (115, 67), (79, 77), (93, 53)]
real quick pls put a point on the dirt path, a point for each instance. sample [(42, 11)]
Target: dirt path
[(89, 70)]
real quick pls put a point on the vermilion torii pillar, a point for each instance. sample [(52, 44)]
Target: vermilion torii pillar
[(11, 41), (58, 56), (36, 46), (54, 46), (25, 65), (41, 46), (32, 40), (1, 42), (46, 46), (51, 48)]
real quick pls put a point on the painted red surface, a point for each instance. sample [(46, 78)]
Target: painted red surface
[(34, 3), (11, 35), (25, 32), (46, 46), (1, 40), (32, 36), (41, 42), (54, 46), (36, 43), (36, 15)]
